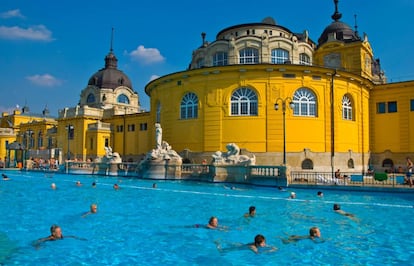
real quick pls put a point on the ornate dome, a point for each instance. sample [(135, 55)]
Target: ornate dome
[(110, 77), (342, 31)]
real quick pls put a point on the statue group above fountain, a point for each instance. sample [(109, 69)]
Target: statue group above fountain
[(232, 157), (163, 150)]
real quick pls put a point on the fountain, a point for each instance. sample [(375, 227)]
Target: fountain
[(162, 162)]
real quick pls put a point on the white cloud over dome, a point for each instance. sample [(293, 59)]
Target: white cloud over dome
[(146, 55), (34, 33), (45, 80)]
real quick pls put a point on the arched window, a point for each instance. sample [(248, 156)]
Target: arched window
[(90, 98), (189, 106), (249, 56), (387, 163), (304, 59), (351, 163), (346, 108), (305, 103), (220, 59), (280, 56), (122, 98), (307, 164), (244, 102), (158, 113)]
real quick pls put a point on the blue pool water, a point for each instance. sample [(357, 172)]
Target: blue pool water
[(140, 225)]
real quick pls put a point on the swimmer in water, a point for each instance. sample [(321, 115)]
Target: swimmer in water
[(55, 234), (93, 210), (251, 213), (213, 224), (258, 246), (337, 209), (314, 234)]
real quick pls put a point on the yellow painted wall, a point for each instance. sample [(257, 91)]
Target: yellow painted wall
[(392, 131), (215, 127)]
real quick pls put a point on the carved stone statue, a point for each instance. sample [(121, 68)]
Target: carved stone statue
[(163, 151), (232, 156), (158, 136), (111, 157)]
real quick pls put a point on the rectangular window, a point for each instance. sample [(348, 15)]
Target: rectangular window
[(119, 128), (106, 142), (234, 109), (131, 127), (392, 107), (143, 126), (381, 108), (411, 105)]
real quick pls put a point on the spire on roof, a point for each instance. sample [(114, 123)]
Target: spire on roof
[(336, 16)]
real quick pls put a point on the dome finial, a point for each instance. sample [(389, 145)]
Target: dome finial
[(110, 60), (336, 16), (112, 39)]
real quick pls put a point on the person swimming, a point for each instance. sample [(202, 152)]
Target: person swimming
[(251, 213), (93, 210), (212, 224), (55, 234), (314, 234), (337, 209), (257, 246)]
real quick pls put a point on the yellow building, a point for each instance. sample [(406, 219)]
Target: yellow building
[(275, 93)]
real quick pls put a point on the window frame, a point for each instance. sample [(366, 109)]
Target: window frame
[(244, 102), (249, 55), (189, 106), (279, 56), (305, 103)]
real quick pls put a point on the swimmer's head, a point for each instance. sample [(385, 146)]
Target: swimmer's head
[(252, 210), (213, 221), (259, 241), (336, 207), (314, 232), (94, 208), (55, 231), (53, 186)]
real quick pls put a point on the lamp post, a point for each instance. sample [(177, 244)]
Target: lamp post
[(284, 107), (70, 129)]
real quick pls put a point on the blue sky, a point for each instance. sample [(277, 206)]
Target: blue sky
[(50, 49)]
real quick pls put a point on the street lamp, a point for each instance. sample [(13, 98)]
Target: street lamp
[(284, 107), (70, 136)]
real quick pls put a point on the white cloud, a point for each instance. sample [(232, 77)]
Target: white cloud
[(45, 80), (146, 55), (12, 14), (35, 33), (153, 77)]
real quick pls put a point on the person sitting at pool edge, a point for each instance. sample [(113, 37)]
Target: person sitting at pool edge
[(251, 213), (93, 210), (314, 233)]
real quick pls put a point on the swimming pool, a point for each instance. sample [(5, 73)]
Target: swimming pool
[(141, 225)]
